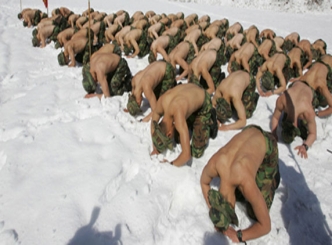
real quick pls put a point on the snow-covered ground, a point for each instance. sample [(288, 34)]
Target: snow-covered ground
[(78, 171)]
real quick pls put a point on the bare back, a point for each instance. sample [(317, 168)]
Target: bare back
[(240, 157), (203, 62), (296, 101), (183, 99), (233, 85)]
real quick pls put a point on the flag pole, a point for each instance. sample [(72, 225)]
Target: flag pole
[(21, 5), (89, 30)]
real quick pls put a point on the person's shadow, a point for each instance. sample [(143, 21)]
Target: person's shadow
[(88, 235), (301, 212)]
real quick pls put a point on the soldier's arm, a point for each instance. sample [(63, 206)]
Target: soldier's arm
[(207, 76), (258, 79), (323, 89), (156, 115), (136, 48), (242, 119), (312, 134), (282, 81), (71, 55), (263, 225), (182, 128), (151, 97), (206, 178), (276, 116)]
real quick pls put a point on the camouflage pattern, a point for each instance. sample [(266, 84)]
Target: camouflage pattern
[(61, 59), (86, 52), (273, 49), (221, 213), (89, 84), (191, 53), (160, 141), (287, 71), (225, 27), (37, 17), (132, 106), (255, 62), (200, 123), (25, 24), (151, 57), (229, 36), (315, 53), (215, 71), (126, 49), (167, 82), (229, 52), (101, 33), (235, 66), (19, 16), (35, 41), (34, 32), (127, 19), (268, 176), (267, 81), (143, 45), (55, 33), (194, 79), (224, 110), (57, 45), (173, 41), (289, 131), (201, 41), (117, 50), (250, 98), (120, 80), (287, 46)]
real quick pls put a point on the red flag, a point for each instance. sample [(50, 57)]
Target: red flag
[(45, 3)]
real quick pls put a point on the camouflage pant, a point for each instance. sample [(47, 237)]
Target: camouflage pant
[(120, 80), (287, 46), (268, 176), (289, 131), (321, 98), (151, 57), (273, 49), (250, 97), (168, 81), (200, 123), (191, 53), (224, 110), (143, 44), (255, 61), (215, 73), (173, 41)]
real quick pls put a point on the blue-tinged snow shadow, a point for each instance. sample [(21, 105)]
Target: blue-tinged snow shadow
[(88, 235), (301, 211)]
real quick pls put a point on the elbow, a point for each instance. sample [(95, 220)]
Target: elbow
[(267, 229)]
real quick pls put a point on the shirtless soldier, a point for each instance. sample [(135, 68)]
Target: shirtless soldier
[(153, 81), (107, 74), (182, 108), (205, 69), (248, 169), (182, 55), (319, 79), (274, 72), (235, 91), (298, 118)]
